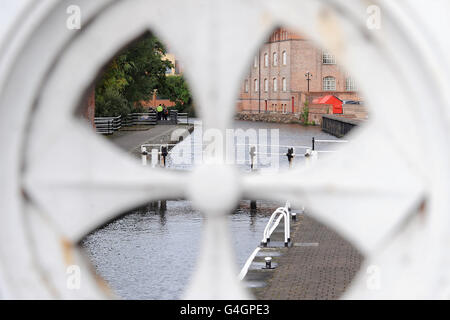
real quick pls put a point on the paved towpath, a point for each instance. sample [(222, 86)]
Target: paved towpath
[(131, 141), (319, 265)]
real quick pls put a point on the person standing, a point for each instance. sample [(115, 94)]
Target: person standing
[(165, 113), (159, 111)]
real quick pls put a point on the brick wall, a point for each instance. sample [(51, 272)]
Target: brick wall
[(157, 102), (355, 111), (302, 56), (88, 110), (316, 111)]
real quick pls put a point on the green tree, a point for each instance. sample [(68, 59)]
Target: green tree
[(111, 103), (177, 90), (131, 77)]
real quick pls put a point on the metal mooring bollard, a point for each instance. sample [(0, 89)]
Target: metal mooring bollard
[(164, 153), (252, 157), (290, 155), (163, 205), (268, 262), (144, 155)]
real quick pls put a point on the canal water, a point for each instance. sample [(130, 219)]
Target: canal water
[(150, 253)]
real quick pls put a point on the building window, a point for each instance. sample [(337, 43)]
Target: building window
[(246, 86), (266, 60), (284, 58), (266, 85), (256, 85), (350, 84), (284, 84), (255, 62), (329, 84), (328, 58), (275, 85), (275, 59)]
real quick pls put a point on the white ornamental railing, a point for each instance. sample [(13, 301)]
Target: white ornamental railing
[(387, 192)]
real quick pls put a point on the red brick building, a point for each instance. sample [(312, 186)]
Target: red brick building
[(277, 79)]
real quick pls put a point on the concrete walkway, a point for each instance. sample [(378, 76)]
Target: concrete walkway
[(319, 265), (130, 141)]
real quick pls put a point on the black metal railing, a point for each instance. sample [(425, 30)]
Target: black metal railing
[(109, 125)]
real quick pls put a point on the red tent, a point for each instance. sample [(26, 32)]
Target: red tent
[(333, 100)]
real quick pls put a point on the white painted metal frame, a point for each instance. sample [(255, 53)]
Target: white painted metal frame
[(387, 192), (279, 214)]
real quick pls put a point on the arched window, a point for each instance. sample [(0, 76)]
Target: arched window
[(329, 84), (275, 85), (266, 85), (350, 84), (246, 86), (266, 60), (284, 84), (328, 58), (284, 58), (255, 62), (275, 59)]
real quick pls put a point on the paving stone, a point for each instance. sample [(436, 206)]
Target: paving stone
[(310, 271)]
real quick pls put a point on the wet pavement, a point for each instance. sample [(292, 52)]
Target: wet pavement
[(319, 265)]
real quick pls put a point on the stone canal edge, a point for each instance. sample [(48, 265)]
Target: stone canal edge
[(319, 264)]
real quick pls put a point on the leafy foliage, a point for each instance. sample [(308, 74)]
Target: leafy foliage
[(177, 90), (305, 113), (131, 77)]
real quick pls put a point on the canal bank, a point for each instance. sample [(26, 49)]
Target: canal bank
[(337, 125), (318, 265), (131, 141), (284, 118), (151, 253)]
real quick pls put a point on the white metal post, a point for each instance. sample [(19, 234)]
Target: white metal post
[(154, 158), (144, 155)]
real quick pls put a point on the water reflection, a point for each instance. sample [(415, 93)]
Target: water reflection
[(151, 252), (151, 255)]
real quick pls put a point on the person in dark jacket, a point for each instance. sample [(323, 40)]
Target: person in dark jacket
[(165, 113)]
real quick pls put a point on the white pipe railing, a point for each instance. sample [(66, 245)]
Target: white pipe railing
[(332, 141), (310, 153), (247, 264), (280, 213), (154, 157)]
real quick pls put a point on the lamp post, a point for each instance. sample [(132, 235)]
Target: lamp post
[(308, 76)]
